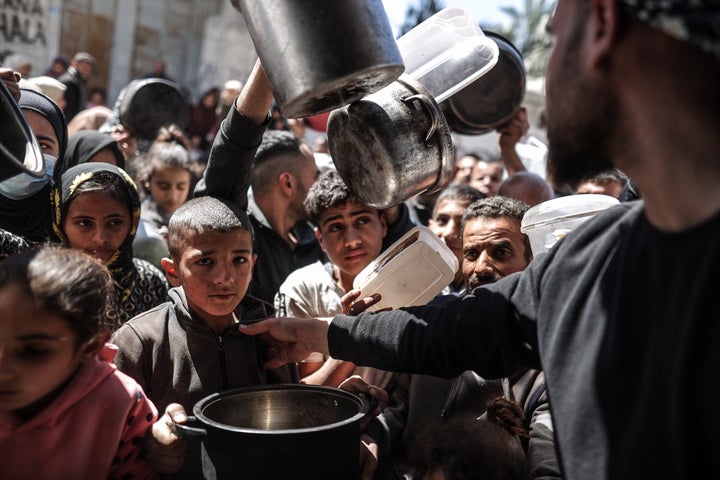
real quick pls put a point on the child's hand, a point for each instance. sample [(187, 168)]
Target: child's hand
[(10, 79), (355, 384), (165, 451), (353, 305)]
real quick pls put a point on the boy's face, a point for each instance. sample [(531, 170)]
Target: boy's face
[(351, 234), (214, 270)]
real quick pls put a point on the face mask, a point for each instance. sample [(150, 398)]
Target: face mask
[(24, 185)]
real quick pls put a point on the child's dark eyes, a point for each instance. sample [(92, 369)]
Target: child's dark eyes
[(83, 223), (34, 351), (204, 261), (116, 223)]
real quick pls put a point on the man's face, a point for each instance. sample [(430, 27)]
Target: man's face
[(486, 177), (85, 69), (447, 224), (351, 234), (492, 249), (463, 173), (214, 270), (582, 111)]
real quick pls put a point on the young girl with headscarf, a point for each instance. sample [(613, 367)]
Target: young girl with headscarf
[(96, 208)]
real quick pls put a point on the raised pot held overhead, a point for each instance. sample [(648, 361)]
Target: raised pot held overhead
[(322, 54)]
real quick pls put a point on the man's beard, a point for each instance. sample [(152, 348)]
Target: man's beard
[(298, 205), (580, 149), (582, 120)]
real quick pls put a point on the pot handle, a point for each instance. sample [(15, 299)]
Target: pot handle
[(433, 110), (371, 401), (185, 431)]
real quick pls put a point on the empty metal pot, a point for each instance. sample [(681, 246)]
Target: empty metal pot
[(491, 100), (321, 54), (391, 145), (279, 431)]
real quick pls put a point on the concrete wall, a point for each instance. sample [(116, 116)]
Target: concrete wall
[(30, 28), (204, 42)]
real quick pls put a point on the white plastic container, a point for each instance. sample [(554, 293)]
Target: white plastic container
[(447, 52), (410, 272), (548, 222)]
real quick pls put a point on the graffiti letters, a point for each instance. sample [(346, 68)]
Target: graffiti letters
[(23, 22)]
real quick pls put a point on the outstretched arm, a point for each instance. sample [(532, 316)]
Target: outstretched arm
[(292, 339), (227, 174), (255, 99)]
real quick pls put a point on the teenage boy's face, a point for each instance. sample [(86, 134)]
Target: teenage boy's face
[(351, 234), (215, 270)]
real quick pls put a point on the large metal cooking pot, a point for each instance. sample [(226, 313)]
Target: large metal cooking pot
[(491, 100), (321, 54), (391, 145), (19, 150), (278, 432)]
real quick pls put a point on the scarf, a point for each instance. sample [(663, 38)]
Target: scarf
[(121, 264)]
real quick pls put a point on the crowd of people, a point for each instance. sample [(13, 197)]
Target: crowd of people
[(134, 282)]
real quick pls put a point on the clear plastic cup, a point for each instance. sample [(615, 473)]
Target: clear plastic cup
[(447, 52)]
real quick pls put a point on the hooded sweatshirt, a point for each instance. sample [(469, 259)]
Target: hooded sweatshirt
[(92, 430)]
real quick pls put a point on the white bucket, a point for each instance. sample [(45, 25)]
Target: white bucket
[(548, 222)]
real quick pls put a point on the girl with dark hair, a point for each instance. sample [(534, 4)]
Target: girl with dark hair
[(96, 209), (65, 410)]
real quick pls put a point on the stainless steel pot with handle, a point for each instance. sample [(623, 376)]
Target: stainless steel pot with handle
[(392, 145), (321, 54), (279, 431)]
